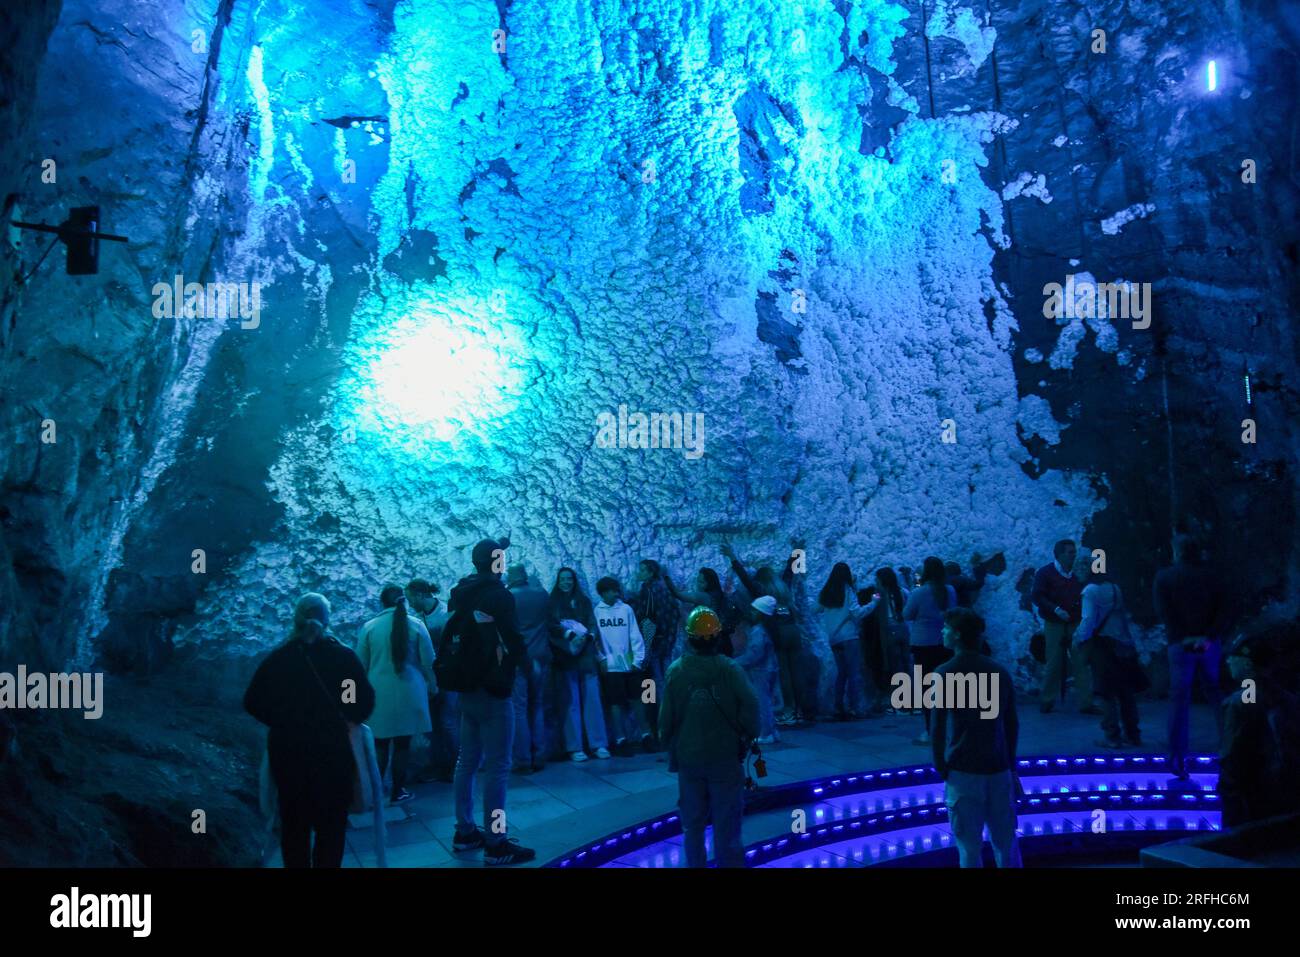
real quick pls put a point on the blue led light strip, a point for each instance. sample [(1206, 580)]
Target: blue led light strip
[(657, 829)]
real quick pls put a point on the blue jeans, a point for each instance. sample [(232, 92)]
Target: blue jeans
[(1184, 668), (848, 672), (712, 794), (975, 800), (487, 725), (656, 667), (445, 738), (584, 711), (530, 724), (766, 684)]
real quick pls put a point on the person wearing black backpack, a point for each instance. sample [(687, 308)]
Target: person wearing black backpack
[(481, 649)]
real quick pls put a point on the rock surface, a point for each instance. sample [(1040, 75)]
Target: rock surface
[(478, 226)]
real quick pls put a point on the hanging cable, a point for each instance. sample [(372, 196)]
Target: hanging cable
[(23, 280)]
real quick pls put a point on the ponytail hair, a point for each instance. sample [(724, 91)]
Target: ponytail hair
[(399, 637), (311, 617)]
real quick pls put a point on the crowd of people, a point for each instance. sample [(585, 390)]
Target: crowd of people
[(507, 676)]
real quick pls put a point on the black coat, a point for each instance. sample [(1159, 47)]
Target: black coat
[(308, 741), (576, 607), (488, 594)]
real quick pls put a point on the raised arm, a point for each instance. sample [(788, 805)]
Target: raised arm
[(685, 597)]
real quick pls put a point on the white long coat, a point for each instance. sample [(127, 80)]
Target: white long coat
[(401, 700)]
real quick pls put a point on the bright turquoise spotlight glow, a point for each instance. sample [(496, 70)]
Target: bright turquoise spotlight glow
[(434, 374)]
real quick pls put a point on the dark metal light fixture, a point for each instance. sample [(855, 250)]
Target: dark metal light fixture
[(80, 233)]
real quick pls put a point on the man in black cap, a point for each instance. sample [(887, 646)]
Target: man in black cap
[(483, 647)]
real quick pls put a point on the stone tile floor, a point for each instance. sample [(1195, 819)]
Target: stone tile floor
[(568, 804)]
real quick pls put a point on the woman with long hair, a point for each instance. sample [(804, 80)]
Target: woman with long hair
[(838, 615), (707, 591), (574, 637), (924, 611), (893, 629), (297, 693), (397, 653), (783, 628)]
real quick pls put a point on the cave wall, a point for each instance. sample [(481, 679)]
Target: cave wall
[(30, 583), (821, 226), (1157, 414)]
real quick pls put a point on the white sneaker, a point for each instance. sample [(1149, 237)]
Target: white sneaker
[(767, 739), (577, 757), (602, 753)]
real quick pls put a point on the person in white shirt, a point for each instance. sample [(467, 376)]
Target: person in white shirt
[(1103, 636), (622, 654), (839, 614)]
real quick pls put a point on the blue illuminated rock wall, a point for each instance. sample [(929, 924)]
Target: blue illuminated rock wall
[(824, 227), (679, 213)]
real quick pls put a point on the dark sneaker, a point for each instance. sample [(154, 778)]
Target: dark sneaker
[(538, 764), (468, 842), (1113, 744), (508, 852), (1135, 741), (1091, 709), (401, 796)]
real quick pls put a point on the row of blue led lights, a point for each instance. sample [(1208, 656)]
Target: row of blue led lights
[(1027, 767), (1161, 803), (668, 825), (846, 807), (1059, 830)]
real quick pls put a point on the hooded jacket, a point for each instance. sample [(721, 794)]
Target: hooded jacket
[(620, 636), (487, 598)]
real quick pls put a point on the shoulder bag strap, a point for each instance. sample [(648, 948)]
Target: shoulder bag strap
[(323, 688), (1114, 604)]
